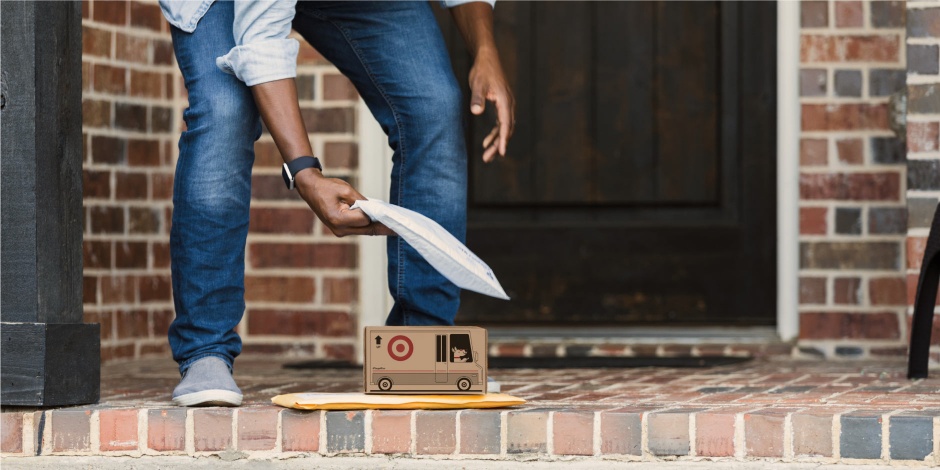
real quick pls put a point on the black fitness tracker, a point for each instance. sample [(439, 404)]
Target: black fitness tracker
[(296, 166)]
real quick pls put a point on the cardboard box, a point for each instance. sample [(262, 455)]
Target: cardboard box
[(425, 360)]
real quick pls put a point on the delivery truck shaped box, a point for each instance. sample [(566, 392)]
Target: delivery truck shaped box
[(425, 359)]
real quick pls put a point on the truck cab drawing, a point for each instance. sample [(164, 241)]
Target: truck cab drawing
[(412, 360)]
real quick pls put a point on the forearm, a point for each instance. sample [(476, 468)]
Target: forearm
[(329, 198), (277, 103), (475, 23)]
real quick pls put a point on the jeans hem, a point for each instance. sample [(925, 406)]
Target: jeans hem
[(184, 366)]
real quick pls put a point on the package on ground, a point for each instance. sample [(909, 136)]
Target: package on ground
[(450, 257), (425, 359), (362, 401)]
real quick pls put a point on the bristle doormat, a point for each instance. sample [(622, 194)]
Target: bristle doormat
[(322, 365), (574, 362), (610, 362)]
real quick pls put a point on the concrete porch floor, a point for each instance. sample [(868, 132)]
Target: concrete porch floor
[(768, 409)]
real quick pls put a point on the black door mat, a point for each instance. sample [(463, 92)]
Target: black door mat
[(611, 362), (576, 362), (322, 365)]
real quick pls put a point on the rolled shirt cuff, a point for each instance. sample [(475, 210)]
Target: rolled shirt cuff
[(262, 61)]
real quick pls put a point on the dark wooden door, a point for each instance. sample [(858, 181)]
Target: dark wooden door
[(640, 184)]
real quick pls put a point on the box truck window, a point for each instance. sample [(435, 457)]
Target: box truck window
[(460, 348)]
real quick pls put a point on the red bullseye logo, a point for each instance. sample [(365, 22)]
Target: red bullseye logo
[(400, 348)]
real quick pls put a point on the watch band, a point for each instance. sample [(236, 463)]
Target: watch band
[(290, 169)]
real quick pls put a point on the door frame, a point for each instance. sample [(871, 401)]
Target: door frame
[(375, 172)]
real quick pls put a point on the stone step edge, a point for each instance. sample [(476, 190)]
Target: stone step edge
[(797, 435)]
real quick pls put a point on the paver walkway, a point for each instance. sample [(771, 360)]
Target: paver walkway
[(770, 408)]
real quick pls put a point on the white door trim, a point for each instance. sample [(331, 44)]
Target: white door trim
[(788, 170), (375, 169)]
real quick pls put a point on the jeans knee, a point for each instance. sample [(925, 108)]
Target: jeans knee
[(225, 116), (448, 95), (446, 99)]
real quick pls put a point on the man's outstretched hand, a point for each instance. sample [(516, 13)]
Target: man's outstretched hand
[(330, 199), (488, 83), (487, 80)]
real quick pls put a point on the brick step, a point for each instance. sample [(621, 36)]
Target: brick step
[(824, 435)]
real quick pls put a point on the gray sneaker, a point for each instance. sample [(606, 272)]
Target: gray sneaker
[(207, 382)]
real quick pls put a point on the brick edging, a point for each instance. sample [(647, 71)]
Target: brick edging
[(796, 434)]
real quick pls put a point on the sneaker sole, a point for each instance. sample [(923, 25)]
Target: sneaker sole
[(209, 398)]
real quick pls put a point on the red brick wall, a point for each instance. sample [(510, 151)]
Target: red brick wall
[(852, 179), (301, 283), (130, 112), (923, 140)]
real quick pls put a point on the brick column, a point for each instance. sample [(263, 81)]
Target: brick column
[(852, 209), (923, 140)]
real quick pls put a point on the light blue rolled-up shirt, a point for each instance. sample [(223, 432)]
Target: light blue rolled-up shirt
[(263, 51)]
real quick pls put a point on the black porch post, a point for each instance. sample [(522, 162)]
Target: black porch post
[(49, 357)]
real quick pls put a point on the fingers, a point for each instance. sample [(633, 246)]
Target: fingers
[(344, 219), (490, 151), (505, 121), (506, 115), (373, 229), (498, 139), (490, 137)]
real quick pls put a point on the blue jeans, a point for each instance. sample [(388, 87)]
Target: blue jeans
[(395, 56)]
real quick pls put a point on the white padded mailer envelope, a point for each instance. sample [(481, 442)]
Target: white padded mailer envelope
[(450, 257)]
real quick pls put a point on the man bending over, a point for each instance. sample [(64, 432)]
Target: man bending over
[(239, 65)]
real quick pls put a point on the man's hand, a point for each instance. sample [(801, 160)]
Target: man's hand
[(488, 83), (330, 199), (487, 80)]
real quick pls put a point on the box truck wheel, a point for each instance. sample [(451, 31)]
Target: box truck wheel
[(463, 384), (385, 384)]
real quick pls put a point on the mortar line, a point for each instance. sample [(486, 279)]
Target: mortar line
[(739, 444), (836, 436), (189, 433), (596, 434), (367, 432), (413, 432), (936, 440), (94, 432), (550, 434), (322, 438), (278, 428), (457, 433), (503, 433), (142, 430), (235, 415)]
